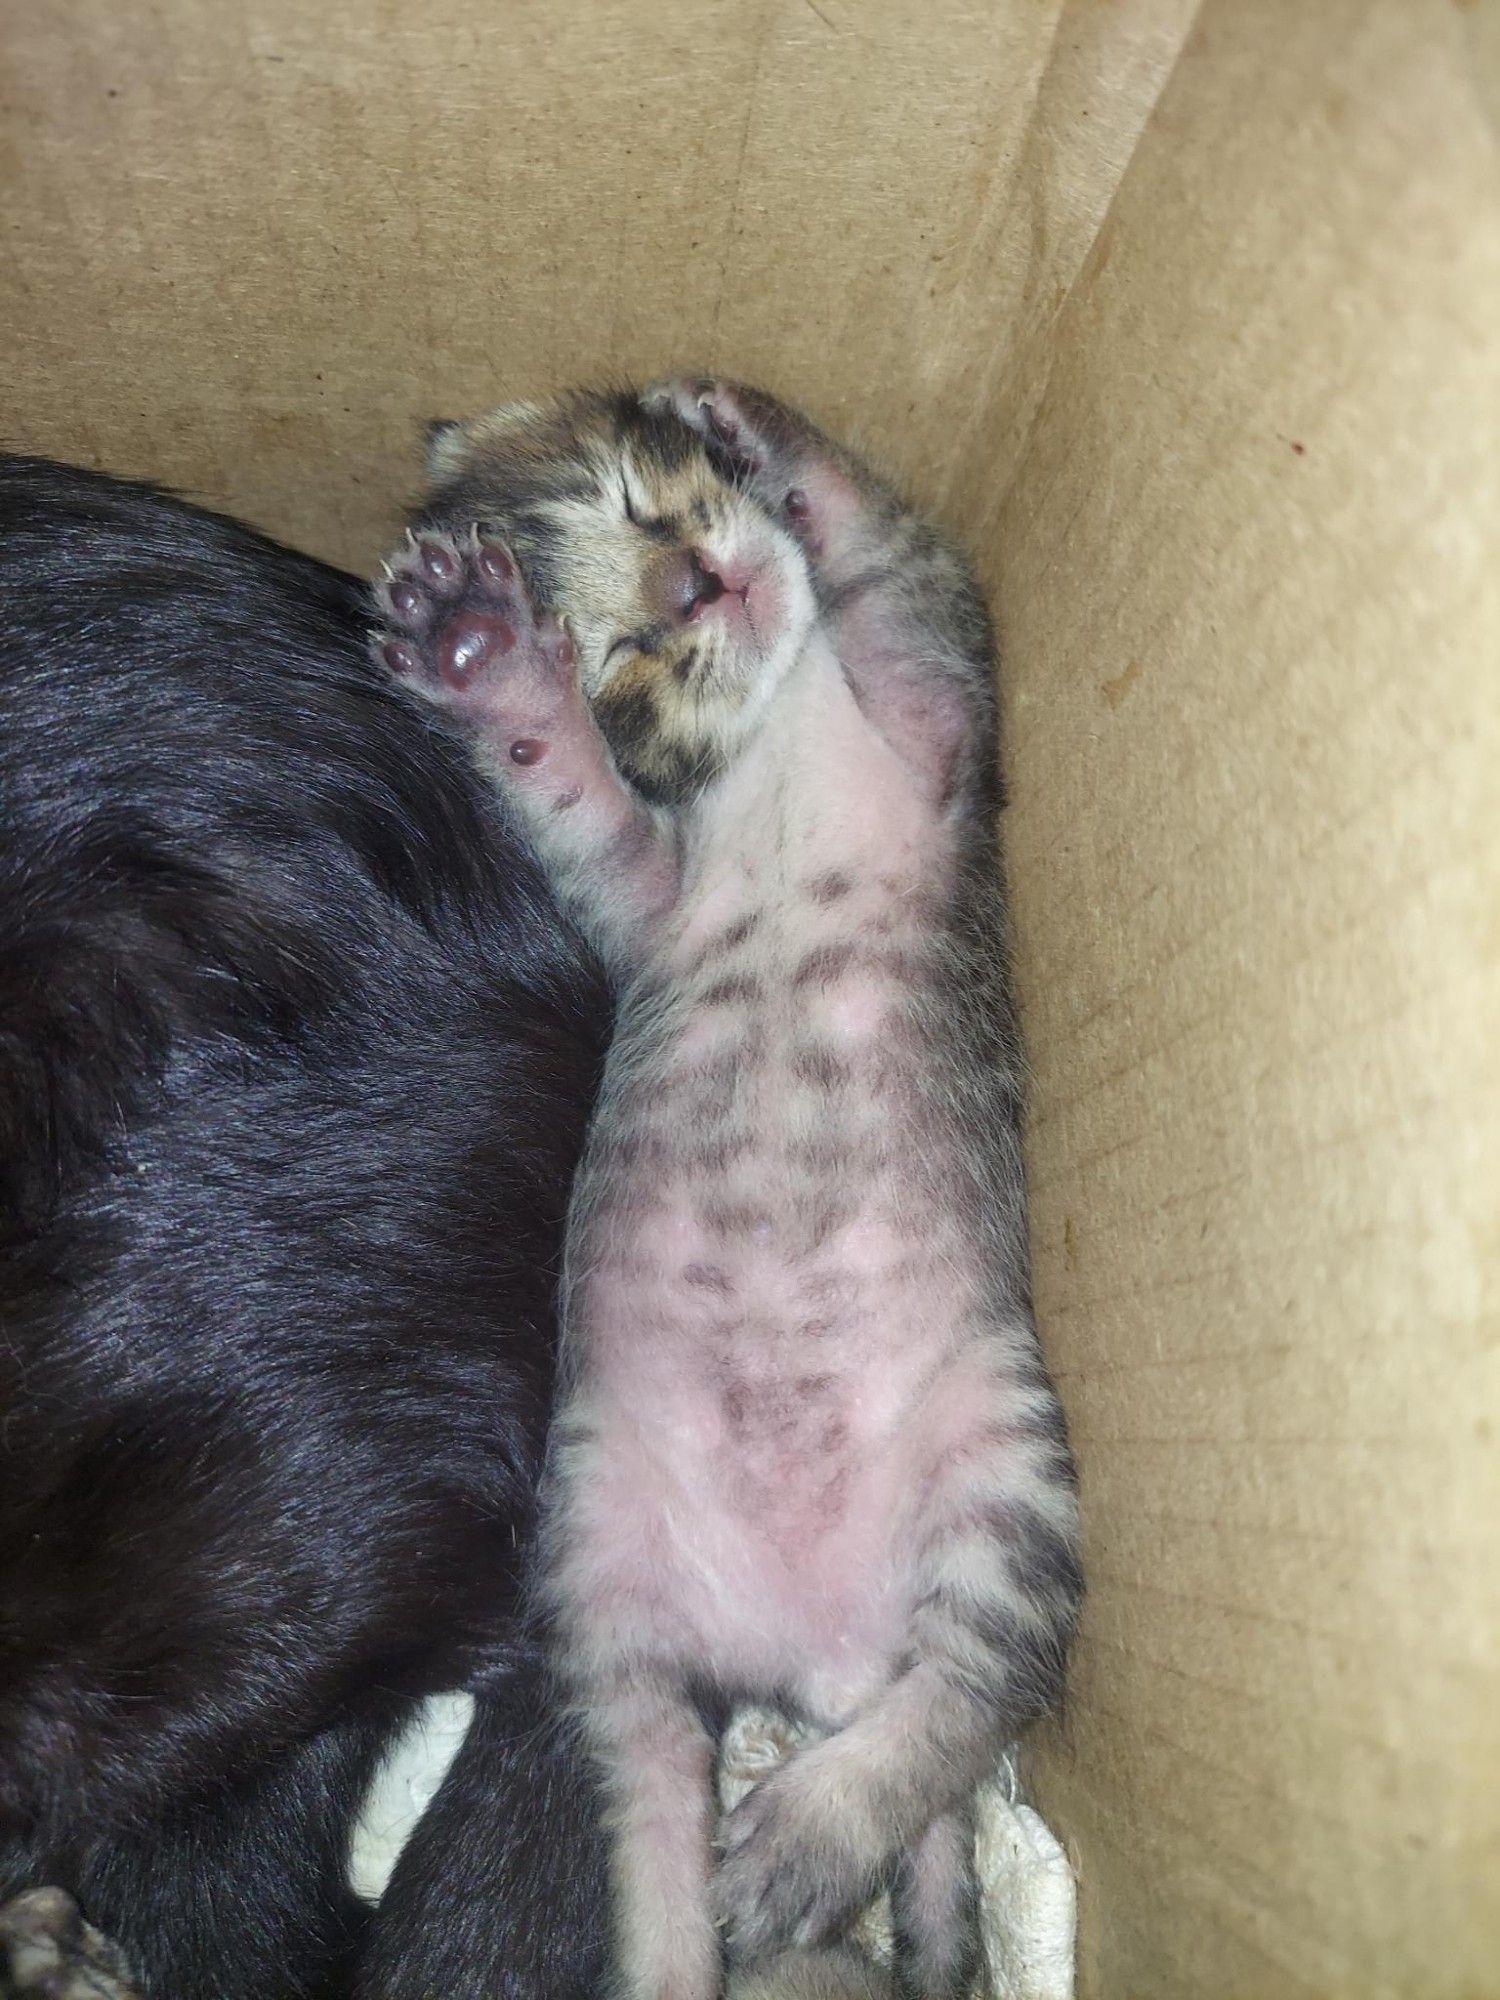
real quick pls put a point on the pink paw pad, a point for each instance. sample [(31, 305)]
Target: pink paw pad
[(459, 627), (470, 642), (454, 609)]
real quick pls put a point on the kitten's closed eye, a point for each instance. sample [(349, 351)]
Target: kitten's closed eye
[(660, 527)]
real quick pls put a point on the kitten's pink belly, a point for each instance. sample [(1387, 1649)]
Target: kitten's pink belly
[(752, 1493), (761, 1582)]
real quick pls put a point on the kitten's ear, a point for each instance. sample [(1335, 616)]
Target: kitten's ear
[(447, 447), (452, 442)]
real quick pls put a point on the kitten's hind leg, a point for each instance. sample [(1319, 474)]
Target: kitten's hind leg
[(657, 1760), (936, 1899), (461, 632)]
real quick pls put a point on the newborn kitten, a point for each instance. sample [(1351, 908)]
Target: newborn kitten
[(807, 1450)]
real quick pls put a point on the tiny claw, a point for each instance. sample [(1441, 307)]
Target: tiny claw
[(725, 429), (563, 649)]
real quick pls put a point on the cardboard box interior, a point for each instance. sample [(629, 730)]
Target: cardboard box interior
[(1184, 318)]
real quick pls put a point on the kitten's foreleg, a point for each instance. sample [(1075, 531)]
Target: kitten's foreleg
[(797, 474), (905, 617), (462, 633)]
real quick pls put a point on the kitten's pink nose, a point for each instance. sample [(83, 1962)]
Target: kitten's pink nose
[(689, 585)]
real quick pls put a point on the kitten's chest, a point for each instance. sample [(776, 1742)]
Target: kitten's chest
[(771, 1212), (769, 1186), (819, 787)]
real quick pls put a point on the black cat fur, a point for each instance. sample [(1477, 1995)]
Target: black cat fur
[(295, 1056)]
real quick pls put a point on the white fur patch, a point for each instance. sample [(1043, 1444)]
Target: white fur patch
[(404, 1787)]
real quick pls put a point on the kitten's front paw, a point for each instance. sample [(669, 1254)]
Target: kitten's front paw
[(743, 425), (794, 1868), (47, 1950), (785, 462), (461, 630), (764, 444)]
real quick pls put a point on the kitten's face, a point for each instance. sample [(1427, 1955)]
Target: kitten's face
[(687, 600)]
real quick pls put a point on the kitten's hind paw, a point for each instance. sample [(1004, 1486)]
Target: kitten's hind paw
[(48, 1952), (793, 1869)]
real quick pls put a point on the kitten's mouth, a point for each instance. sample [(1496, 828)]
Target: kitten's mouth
[(750, 599), (746, 601)]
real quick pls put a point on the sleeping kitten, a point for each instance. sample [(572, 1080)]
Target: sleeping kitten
[(807, 1450)]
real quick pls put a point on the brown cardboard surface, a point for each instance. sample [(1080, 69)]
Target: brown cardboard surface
[(1186, 319), (252, 249), (1247, 572)]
